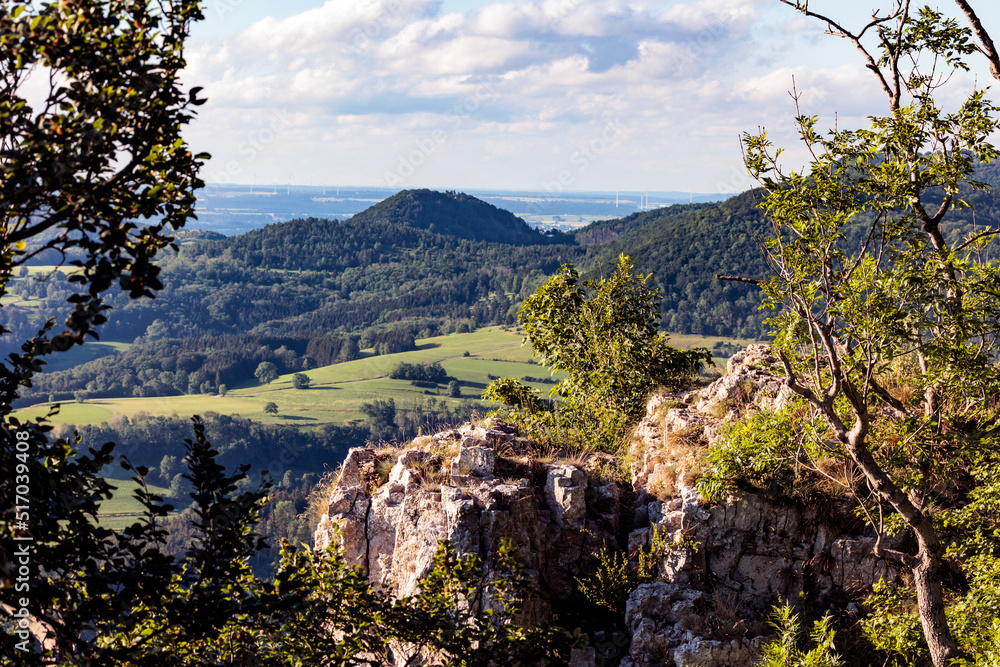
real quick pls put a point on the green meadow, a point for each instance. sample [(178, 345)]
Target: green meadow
[(124, 509), (337, 392)]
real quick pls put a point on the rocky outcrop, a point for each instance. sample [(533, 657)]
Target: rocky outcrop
[(737, 558), (719, 567), (667, 624), (447, 488)]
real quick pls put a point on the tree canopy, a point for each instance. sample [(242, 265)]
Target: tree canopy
[(905, 301), (604, 334)]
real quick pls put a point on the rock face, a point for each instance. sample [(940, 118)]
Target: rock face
[(750, 552), (719, 567), (447, 488)]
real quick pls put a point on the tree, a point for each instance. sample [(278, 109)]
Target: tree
[(97, 175), (169, 468), (454, 389), (604, 334), (271, 408), (382, 416), (266, 372), (300, 381), (870, 278), (102, 150)]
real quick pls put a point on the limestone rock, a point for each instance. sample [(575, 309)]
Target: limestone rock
[(394, 531), (754, 377), (665, 623), (426, 517), (347, 521), (474, 460), (565, 493), (750, 552), (356, 462)]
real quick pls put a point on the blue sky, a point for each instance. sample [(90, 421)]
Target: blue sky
[(522, 94)]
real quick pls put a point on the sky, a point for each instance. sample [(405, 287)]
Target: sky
[(546, 95)]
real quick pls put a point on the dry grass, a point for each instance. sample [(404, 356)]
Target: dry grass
[(726, 618), (577, 459), (383, 469), (446, 449), (318, 501), (604, 469), (836, 476), (682, 458), (903, 392), (665, 407), (432, 474)]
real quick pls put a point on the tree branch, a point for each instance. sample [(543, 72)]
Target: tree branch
[(891, 400), (792, 382), (975, 237), (838, 30), (988, 49)]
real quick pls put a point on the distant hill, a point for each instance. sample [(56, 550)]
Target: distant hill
[(191, 235), (453, 213), (684, 247), (606, 231), (405, 263), (406, 268)]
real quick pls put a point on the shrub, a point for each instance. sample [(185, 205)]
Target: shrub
[(603, 334), (785, 651), (767, 452)]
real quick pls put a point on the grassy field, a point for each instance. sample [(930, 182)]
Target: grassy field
[(687, 341), (337, 392), (123, 509), (46, 270)]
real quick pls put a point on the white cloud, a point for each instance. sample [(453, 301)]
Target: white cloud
[(519, 80), (846, 89)]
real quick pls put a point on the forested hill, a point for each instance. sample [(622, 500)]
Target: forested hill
[(684, 247), (605, 231), (457, 214), (314, 288)]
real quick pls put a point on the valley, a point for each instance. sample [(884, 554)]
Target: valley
[(336, 392)]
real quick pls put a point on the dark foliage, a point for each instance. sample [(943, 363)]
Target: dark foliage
[(433, 373), (175, 366)]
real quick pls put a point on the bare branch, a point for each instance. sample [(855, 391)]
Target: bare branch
[(976, 237), (838, 30), (987, 48)]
